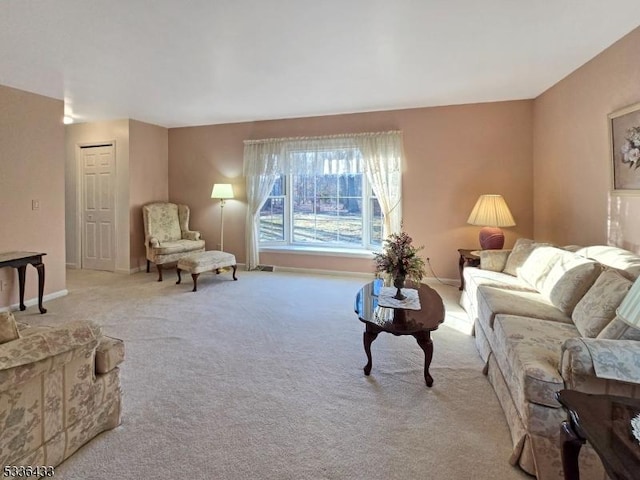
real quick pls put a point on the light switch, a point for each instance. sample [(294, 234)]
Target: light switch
[(35, 204)]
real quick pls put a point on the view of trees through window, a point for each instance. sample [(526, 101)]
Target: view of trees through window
[(317, 209)]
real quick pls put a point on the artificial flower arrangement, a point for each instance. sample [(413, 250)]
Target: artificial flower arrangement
[(399, 259)]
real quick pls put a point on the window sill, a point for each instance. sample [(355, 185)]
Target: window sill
[(332, 252)]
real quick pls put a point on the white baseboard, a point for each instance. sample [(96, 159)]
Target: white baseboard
[(34, 301), (73, 266), (319, 271)]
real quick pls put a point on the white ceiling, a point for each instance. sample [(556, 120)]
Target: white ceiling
[(196, 62)]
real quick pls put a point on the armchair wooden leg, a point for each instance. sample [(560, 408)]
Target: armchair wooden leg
[(148, 262), (159, 266)]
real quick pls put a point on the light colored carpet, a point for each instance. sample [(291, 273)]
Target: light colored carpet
[(262, 379)]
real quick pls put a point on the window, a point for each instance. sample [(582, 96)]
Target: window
[(329, 192), (322, 210)]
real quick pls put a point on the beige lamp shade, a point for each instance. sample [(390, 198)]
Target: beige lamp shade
[(629, 309), (491, 212), (222, 191)]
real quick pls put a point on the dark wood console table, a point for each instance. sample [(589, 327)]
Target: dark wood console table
[(605, 422), (20, 260)]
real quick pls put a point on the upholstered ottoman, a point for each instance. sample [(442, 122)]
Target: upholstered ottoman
[(210, 261)]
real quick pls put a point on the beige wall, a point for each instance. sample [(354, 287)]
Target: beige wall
[(572, 169), (148, 180), (453, 154), (141, 177), (94, 133), (32, 168)]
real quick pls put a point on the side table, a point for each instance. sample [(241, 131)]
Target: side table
[(19, 261), (605, 422), (467, 259)]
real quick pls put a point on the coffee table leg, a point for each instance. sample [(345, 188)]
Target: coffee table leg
[(571, 445), (234, 271), (368, 338), (426, 344)]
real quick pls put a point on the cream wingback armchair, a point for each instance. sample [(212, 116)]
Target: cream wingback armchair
[(166, 234)]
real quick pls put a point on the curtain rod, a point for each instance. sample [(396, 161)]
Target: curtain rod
[(322, 137)]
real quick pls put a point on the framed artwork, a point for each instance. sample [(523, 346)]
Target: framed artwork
[(624, 135)]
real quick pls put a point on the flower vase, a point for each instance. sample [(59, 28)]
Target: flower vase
[(398, 282)]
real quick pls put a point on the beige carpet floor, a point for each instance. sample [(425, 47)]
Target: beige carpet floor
[(262, 379)]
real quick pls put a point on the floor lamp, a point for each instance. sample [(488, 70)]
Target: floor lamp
[(222, 191)]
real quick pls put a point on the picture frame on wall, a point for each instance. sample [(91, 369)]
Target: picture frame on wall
[(624, 139)]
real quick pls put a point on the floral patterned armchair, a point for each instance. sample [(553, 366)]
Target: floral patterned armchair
[(166, 234), (59, 388)]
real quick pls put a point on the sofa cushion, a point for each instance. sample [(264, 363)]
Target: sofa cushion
[(519, 254), (473, 277), (568, 281), (8, 327), (179, 246), (598, 306), (528, 354), (477, 276), (614, 257), (493, 301), (163, 221), (538, 264)]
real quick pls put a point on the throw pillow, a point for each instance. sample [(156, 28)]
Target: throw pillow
[(598, 306), (538, 265), (568, 281), (493, 260), (521, 251), (617, 329), (8, 327)]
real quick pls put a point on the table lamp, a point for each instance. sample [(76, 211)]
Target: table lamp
[(629, 309), (222, 191), (491, 212)]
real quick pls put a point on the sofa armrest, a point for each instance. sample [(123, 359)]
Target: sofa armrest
[(594, 365), (29, 356), (191, 235), (153, 242), (109, 354), (493, 260)]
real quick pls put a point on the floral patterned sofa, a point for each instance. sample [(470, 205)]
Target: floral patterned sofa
[(544, 320), (59, 388), (167, 237)]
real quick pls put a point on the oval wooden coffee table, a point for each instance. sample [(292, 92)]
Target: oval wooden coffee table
[(400, 321)]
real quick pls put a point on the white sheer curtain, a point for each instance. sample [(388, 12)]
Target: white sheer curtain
[(379, 155), (383, 157), (261, 169)]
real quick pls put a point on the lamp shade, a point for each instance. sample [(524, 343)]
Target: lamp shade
[(222, 191), (629, 309), (491, 211)]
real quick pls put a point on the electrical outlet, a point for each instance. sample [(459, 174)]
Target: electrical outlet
[(35, 204)]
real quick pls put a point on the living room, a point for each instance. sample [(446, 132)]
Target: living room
[(548, 155)]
